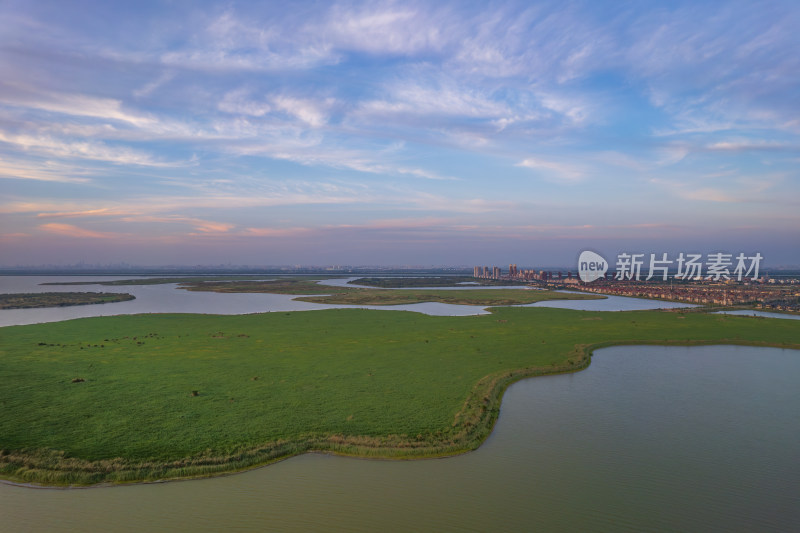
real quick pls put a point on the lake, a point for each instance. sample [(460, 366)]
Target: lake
[(647, 438), (167, 298)]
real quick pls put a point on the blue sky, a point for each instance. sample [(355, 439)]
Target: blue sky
[(422, 133)]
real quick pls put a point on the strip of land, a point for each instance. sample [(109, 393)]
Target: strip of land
[(166, 396), (156, 281), (484, 297), (60, 299), (327, 294), (429, 281), (277, 286)]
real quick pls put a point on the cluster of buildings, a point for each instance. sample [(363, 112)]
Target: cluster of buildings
[(517, 274), (697, 293), (486, 272), (765, 293)]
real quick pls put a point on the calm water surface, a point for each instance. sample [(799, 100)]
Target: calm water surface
[(765, 314), (647, 439), (610, 303)]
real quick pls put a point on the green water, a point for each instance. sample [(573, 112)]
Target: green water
[(647, 439)]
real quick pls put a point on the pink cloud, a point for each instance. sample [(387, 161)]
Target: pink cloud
[(69, 230), (275, 232)]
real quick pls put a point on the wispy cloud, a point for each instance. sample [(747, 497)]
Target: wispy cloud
[(79, 105), (45, 211), (239, 101), (385, 28), (13, 237), (203, 226), (559, 170), (228, 42), (447, 99), (41, 171), (172, 209), (727, 70), (83, 150), (149, 87), (309, 111), (734, 188), (275, 232), (575, 110), (313, 151), (745, 145)]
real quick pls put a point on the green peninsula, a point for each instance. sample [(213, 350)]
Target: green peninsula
[(168, 396)]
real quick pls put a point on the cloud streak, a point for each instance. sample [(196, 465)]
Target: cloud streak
[(72, 231), (561, 171)]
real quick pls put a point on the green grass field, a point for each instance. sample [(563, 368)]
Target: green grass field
[(112, 399)]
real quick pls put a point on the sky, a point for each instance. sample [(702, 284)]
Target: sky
[(397, 133)]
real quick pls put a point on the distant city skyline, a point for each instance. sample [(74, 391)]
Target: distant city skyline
[(397, 133)]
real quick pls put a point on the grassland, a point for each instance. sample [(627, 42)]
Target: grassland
[(146, 397), (60, 299)]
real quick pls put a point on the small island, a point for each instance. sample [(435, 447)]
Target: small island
[(60, 299)]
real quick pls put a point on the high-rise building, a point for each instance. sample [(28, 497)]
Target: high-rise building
[(512, 271)]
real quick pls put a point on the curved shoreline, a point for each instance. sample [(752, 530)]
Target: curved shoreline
[(474, 423)]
